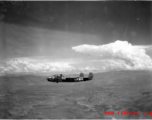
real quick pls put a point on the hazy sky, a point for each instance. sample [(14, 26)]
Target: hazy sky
[(50, 36), (53, 28)]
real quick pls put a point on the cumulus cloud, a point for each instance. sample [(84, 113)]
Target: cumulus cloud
[(120, 53), (29, 65), (44, 65)]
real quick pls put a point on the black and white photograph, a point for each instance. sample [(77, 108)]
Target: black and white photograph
[(76, 59)]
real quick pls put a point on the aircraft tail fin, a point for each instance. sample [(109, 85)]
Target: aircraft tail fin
[(90, 76), (82, 75)]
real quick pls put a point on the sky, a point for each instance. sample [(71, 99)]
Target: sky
[(56, 29)]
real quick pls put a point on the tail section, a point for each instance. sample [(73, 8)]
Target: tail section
[(90, 76), (82, 75)]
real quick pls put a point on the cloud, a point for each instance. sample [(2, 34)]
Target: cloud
[(27, 65), (119, 54), (43, 65)]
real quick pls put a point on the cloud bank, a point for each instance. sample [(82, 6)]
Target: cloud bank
[(119, 54), (42, 65), (26, 65)]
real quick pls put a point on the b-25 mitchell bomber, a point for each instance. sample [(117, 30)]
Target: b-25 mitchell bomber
[(61, 78)]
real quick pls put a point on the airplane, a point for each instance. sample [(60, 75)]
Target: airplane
[(61, 78)]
